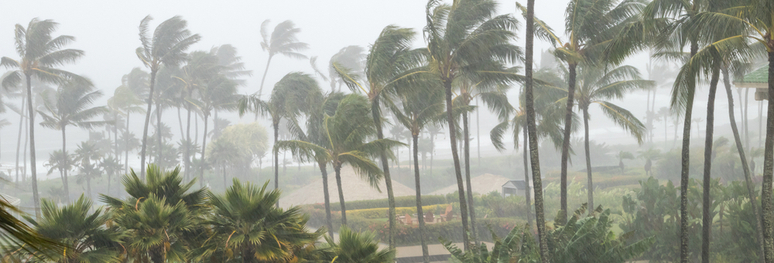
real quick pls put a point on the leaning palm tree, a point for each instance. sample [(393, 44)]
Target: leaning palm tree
[(70, 105), (467, 39), (347, 134), (282, 41), (166, 47), (291, 96), (391, 65), (598, 86), (355, 247), (253, 228), (40, 55), (86, 235), (416, 110)]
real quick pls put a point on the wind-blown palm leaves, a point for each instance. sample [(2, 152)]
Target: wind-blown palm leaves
[(291, 96), (355, 247), (349, 57), (70, 106), (85, 235), (166, 47), (467, 39), (347, 134), (40, 54), (16, 235), (281, 41), (391, 65), (254, 229)]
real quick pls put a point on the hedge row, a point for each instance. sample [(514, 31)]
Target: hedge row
[(375, 213), (401, 201), (409, 235)]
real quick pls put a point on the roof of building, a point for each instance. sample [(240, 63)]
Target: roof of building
[(759, 76), (516, 184)]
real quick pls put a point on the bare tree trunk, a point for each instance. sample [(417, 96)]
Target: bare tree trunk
[(455, 157), (768, 173), (420, 213), (33, 165), (566, 144), (708, 140), (263, 79), (18, 141), (590, 184), (743, 158), (147, 120), (527, 195), (324, 171), (478, 131), (685, 165), (204, 147), (337, 170), (471, 201), (159, 150), (64, 174), (188, 143), (746, 124), (275, 125), (386, 170)]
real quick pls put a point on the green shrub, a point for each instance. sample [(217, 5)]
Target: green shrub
[(375, 213), (401, 201)]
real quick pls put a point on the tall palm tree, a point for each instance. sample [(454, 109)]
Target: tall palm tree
[(124, 102), (166, 47), (467, 39), (598, 86), (256, 230), (391, 64), (282, 41), (291, 96), (70, 105), (417, 110), (87, 158), (349, 57), (40, 54), (85, 234), (347, 134), (356, 247), (59, 160)]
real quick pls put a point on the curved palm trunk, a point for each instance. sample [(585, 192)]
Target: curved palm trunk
[(471, 204), (375, 110), (527, 196), (743, 158), (263, 79), (147, 121), (33, 165), (455, 157), (768, 172), (566, 144), (276, 157), (324, 171), (420, 213), (685, 165), (201, 160), (18, 140), (160, 149), (590, 184), (337, 170), (532, 133), (64, 171), (706, 203)]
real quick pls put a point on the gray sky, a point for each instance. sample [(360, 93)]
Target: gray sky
[(107, 32)]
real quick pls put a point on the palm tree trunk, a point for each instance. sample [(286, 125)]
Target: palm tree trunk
[(455, 157), (88, 186), (18, 141), (685, 165), (180, 122), (64, 172), (275, 125), (160, 149), (375, 110), (126, 146), (248, 254), (420, 213), (706, 204), (188, 143), (471, 203), (24, 153), (478, 132), (566, 144), (33, 165), (532, 133), (527, 195), (157, 254), (263, 79), (590, 184), (743, 158), (324, 171), (147, 120), (746, 102), (201, 160), (337, 170), (768, 172)]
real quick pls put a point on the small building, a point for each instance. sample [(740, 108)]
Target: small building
[(758, 80), (515, 187)]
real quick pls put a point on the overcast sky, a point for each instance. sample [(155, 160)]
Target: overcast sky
[(107, 32)]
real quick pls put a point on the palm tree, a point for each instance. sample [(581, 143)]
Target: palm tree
[(85, 234), (221, 153), (70, 106), (40, 55), (59, 160), (649, 155), (16, 235), (291, 96), (87, 158), (356, 247), (417, 110), (349, 57), (622, 155), (256, 230), (166, 47), (282, 41), (466, 39), (598, 86), (137, 83), (111, 165), (347, 132), (391, 64)]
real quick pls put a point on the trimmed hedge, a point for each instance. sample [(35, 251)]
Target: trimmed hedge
[(376, 213), (401, 201)]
